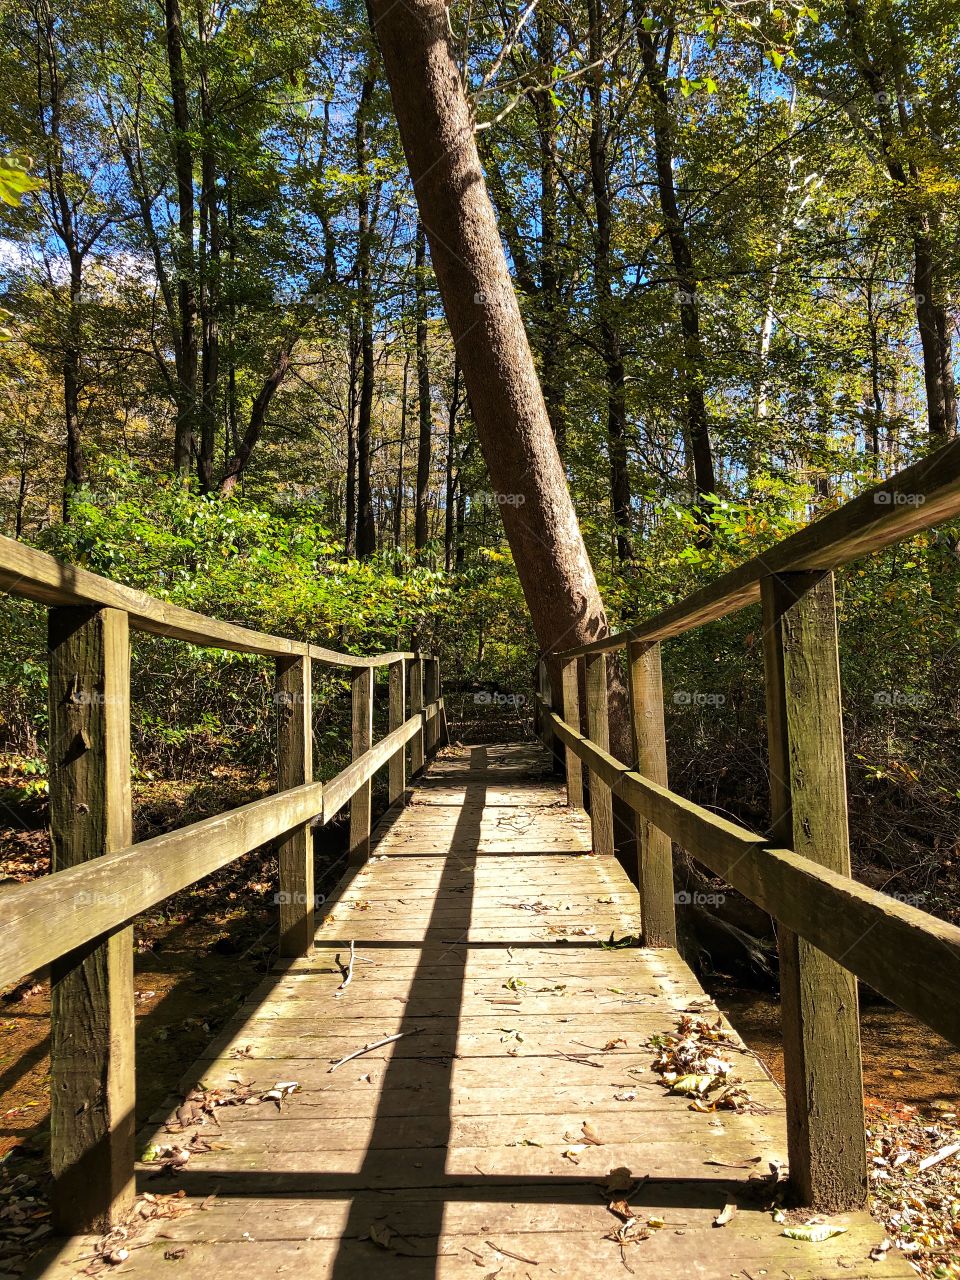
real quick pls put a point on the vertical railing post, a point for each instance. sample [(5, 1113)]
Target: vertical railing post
[(417, 742), (397, 769), (654, 847), (570, 694), (92, 1090), (598, 730), (360, 806), (431, 680), (546, 729), (821, 1032), (293, 698)]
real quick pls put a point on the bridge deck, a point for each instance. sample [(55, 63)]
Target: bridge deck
[(519, 1103)]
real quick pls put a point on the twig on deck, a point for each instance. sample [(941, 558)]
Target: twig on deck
[(348, 972), (368, 1048)]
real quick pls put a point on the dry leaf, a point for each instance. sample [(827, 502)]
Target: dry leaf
[(726, 1214)]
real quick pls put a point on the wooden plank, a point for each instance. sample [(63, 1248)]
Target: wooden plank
[(908, 955), (598, 727), (34, 575), (418, 743), (398, 714), (917, 498), (361, 692), (294, 701), (466, 1139), (358, 774), (820, 1019), (570, 694), (92, 1086), (654, 847), (56, 914)]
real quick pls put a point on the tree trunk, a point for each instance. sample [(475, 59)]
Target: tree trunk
[(185, 431), (421, 531), (513, 426), (350, 497), (935, 338), (613, 365), (209, 264), (398, 498), (451, 481), (688, 301), (366, 529), (258, 416)]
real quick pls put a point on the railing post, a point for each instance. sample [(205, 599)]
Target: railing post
[(295, 767), (431, 680), (546, 728), (417, 747), (360, 807), (397, 769), (598, 730), (570, 694), (92, 1091), (821, 1031), (654, 847)]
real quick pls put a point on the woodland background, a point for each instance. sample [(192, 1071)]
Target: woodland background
[(226, 379)]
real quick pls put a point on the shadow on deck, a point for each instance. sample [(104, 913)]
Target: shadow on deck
[(489, 1138)]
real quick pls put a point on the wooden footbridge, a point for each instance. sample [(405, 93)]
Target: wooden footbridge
[(460, 1065)]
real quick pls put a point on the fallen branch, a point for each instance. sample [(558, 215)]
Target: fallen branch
[(348, 972), (368, 1048)]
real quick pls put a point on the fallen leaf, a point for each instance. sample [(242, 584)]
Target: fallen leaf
[(726, 1214)]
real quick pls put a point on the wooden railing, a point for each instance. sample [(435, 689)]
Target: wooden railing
[(830, 927), (79, 918)]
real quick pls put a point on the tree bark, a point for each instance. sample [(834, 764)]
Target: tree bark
[(209, 272), (421, 531), (511, 418), (451, 477), (610, 346), (688, 301), (185, 431), (258, 416), (366, 528)]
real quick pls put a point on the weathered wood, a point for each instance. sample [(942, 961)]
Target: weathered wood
[(350, 781), (570, 692), (431, 695), (361, 687), (908, 955), (598, 727), (545, 730), (57, 914), (465, 1136), (654, 847), (294, 702), (821, 1028), (92, 1087), (917, 498), (34, 575), (397, 717), (418, 743)]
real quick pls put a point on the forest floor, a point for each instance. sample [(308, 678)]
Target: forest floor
[(202, 952)]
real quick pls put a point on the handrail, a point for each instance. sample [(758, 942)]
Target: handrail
[(34, 575), (48, 918), (915, 499), (905, 954), (77, 918), (829, 927)]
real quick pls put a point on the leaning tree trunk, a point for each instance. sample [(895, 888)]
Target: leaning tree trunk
[(513, 427)]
